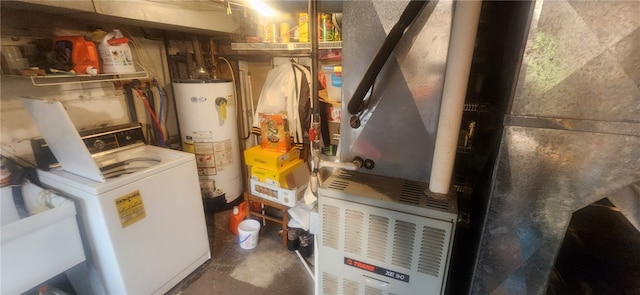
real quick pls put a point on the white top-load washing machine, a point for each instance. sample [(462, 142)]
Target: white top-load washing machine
[(142, 218)]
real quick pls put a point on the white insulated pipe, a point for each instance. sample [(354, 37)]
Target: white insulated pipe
[(463, 36)]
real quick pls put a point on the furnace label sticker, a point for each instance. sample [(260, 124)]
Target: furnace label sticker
[(130, 208), (377, 270)]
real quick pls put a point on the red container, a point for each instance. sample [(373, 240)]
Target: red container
[(237, 215), (83, 53)]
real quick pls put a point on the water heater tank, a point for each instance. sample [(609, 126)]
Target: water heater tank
[(208, 128)]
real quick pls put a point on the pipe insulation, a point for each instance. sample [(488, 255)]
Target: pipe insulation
[(197, 53), (463, 35), (200, 72)]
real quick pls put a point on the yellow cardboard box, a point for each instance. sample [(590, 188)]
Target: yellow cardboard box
[(258, 157), (291, 176)]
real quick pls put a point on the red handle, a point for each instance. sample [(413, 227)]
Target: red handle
[(313, 133), (116, 41)]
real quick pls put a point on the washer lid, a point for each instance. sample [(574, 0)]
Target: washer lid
[(63, 138)]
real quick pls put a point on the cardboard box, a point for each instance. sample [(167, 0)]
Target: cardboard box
[(258, 157), (288, 197), (274, 132), (334, 133), (290, 176)]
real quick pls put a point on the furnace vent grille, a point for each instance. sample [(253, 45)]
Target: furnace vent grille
[(338, 184), (404, 236), (350, 287), (329, 284), (431, 251), (411, 192), (331, 226), (438, 204), (377, 237), (346, 174), (354, 224), (368, 290), (384, 189)]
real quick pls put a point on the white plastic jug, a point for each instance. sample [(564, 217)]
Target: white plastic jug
[(116, 54)]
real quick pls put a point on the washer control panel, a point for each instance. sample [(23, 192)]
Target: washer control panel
[(96, 140)]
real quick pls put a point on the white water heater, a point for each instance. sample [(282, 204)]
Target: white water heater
[(208, 128)]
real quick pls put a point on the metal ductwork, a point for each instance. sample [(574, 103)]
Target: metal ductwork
[(571, 137), (398, 126)]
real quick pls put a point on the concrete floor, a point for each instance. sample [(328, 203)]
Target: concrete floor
[(267, 269)]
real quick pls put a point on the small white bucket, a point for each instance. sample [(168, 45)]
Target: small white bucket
[(248, 233)]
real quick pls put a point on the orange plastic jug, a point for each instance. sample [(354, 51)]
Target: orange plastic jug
[(82, 53), (237, 215)]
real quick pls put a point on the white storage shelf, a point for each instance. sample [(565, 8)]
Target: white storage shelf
[(78, 79), (39, 247), (285, 46)]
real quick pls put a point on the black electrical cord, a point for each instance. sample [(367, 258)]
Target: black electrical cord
[(18, 176), (410, 12)]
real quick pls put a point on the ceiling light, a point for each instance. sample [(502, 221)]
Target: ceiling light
[(262, 8)]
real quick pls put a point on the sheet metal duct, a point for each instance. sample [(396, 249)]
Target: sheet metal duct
[(399, 126), (571, 137)]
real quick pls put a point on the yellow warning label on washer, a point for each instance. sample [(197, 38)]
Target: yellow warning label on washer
[(130, 208)]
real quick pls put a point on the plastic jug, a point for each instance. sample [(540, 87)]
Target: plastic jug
[(116, 54), (237, 215), (81, 52), (333, 76)]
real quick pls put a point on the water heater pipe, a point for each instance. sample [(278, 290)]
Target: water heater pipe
[(463, 35), (200, 72)]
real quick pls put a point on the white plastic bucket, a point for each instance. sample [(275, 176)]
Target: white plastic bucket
[(248, 233)]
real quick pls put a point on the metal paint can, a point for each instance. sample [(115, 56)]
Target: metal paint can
[(325, 27), (269, 33), (303, 27), (284, 32)]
